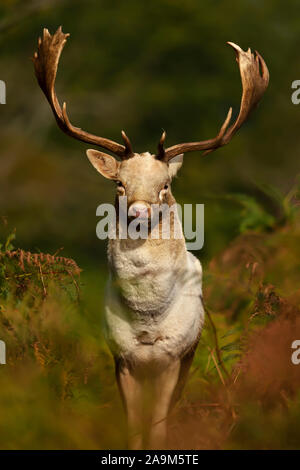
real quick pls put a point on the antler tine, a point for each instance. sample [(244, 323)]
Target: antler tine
[(160, 148), (45, 64), (128, 147), (255, 78)]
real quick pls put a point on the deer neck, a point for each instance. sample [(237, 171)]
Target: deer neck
[(147, 271)]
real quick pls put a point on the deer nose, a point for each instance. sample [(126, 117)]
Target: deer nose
[(139, 209)]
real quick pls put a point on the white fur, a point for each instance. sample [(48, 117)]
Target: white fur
[(159, 314)]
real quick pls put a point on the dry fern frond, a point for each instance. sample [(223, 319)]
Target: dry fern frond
[(36, 259)]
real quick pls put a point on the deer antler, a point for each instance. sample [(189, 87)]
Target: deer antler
[(45, 63), (255, 79)]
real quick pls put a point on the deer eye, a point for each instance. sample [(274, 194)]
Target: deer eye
[(120, 187)]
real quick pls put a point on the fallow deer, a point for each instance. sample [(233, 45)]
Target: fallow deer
[(153, 309)]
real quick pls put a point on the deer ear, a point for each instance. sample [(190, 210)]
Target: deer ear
[(107, 165), (175, 164)]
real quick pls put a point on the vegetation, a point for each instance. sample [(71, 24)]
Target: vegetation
[(57, 389), (249, 399)]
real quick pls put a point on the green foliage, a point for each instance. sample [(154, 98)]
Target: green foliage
[(8, 246), (4, 247), (253, 215), (258, 216)]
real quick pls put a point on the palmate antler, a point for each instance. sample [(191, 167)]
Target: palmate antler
[(255, 79), (45, 64), (254, 75)]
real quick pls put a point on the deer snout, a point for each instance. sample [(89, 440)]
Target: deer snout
[(139, 209)]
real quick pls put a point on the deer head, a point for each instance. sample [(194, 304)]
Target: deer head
[(143, 177)]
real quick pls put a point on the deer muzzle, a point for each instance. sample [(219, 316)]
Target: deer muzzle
[(139, 209)]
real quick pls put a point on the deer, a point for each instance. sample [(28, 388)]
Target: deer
[(153, 309)]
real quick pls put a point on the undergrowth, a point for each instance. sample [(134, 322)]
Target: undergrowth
[(57, 390)]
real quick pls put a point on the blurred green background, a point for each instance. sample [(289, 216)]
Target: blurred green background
[(142, 66)]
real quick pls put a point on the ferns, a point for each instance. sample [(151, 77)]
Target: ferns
[(37, 259), (22, 270)]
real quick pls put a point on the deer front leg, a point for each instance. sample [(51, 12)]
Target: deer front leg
[(164, 386), (131, 391)]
